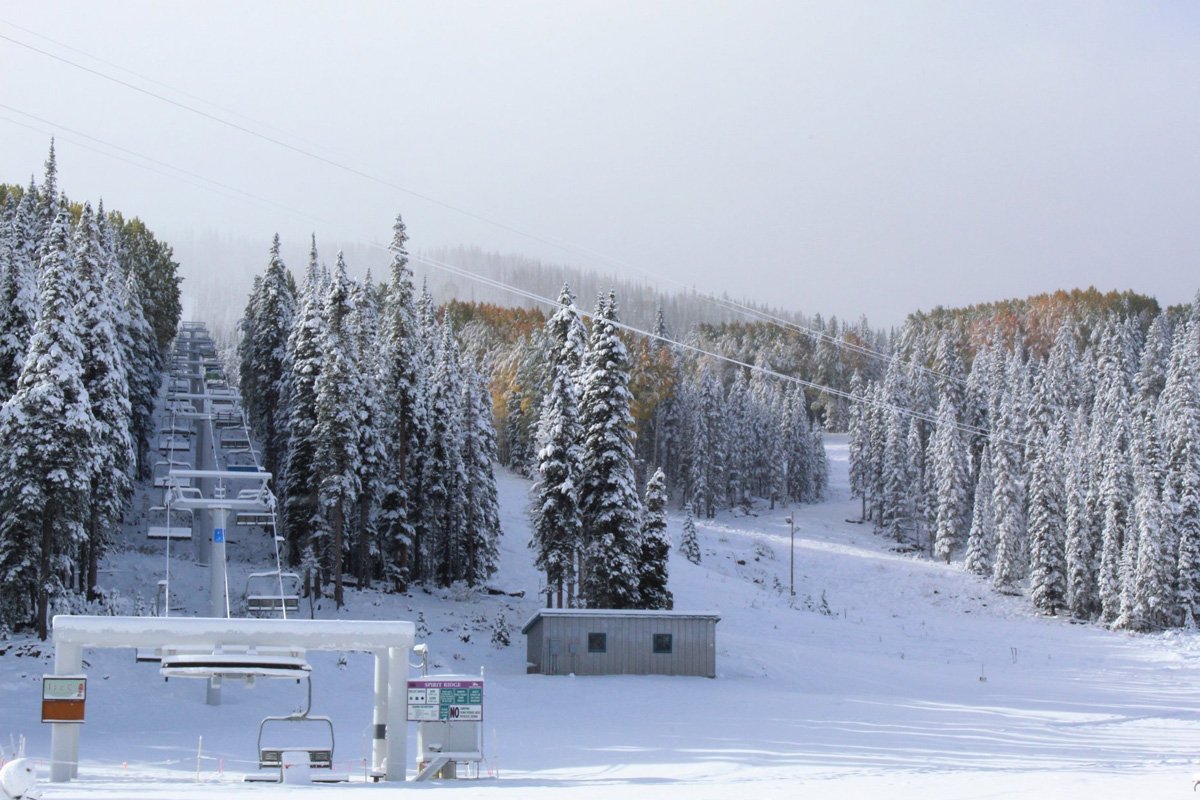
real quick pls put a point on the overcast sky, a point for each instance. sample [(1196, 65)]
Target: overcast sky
[(842, 158)]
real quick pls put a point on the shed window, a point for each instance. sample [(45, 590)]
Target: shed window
[(597, 642), (662, 643)]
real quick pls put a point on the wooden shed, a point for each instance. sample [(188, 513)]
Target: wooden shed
[(612, 642)]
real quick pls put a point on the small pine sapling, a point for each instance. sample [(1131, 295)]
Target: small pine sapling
[(689, 545)]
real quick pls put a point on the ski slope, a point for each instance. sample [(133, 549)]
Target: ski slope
[(887, 675)]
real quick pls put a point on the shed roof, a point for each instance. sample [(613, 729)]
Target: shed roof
[(611, 613)]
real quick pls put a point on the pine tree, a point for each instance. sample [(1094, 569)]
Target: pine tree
[(1153, 605), (689, 546), (336, 434), (896, 500), (49, 431), (981, 542), (106, 382), (1111, 423), (1115, 496), (950, 475), (1008, 490), (274, 310), (420, 470), (18, 292), (306, 356), (1180, 412), (364, 327), (1081, 535), (1047, 526), (445, 498), (399, 386), (656, 546), (710, 445), (558, 529), (482, 506), (608, 498)]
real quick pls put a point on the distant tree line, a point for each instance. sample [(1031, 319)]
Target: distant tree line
[(1052, 444), (90, 304)]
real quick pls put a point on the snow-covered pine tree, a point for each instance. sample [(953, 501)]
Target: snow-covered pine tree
[(1047, 524), (1153, 601), (1081, 535), (399, 385), (689, 545), (656, 547), (981, 541), (663, 441), (273, 315), (1008, 479), (18, 292), (1155, 362), (895, 501), (975, 412), (420, 478), (857, 431), (306, 356), (920, 505), (106, 382), (481, 524), (738, 439), (771, 449), (608, 499), (876, 447), (1179, 408), (49, 432), (445, 493), (949, 455), (1111, 414), (709, 462), (48, 204), (144, 377), (364, 327), (1115, 499), (338, 391), (820, 463), (557, 524)]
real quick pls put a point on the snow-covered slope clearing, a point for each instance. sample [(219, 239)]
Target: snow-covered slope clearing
[(888, 675)]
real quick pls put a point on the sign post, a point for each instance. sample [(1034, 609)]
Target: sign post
[(63, 698), (448, 710)]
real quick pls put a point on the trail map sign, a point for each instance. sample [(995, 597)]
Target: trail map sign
[(63, 698), (439, 700)]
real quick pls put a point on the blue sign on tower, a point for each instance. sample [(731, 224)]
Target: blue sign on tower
[(218, 536)]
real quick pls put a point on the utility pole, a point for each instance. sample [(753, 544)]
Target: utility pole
[(791, 521)]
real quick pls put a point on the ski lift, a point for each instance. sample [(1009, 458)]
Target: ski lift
[(300, 732), (169, 525), (267, 592)]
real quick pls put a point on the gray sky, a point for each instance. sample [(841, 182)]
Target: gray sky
[(840, 158)]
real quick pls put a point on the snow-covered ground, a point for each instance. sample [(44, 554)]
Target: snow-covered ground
[(888, 675)]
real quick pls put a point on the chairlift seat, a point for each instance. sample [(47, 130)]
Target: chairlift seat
[(316, 732), (169, 532), (272, 591), (233, 665)]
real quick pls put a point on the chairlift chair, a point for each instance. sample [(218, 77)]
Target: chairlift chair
[(300, 732), (267, 592), (161, 473)]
